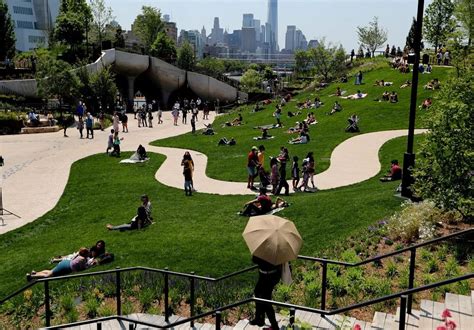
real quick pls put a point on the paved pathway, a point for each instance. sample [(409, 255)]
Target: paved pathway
[(37, 166), (353, 161)]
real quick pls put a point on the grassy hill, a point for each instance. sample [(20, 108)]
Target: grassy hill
[(203, 233)]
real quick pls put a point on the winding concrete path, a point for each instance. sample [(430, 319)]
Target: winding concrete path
[(353, 161), (37, 166)]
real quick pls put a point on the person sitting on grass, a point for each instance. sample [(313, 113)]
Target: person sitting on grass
[(317, 103), (426, 103), (353, 126), (141, 220), (336, 108), (394, 174), (64, 267), (338, 91), (141, 153), (262, 204), (291, 114), (433, 84), (235, 122), (386, 96), (209, 130), (302, 139), (394, 97), (311, 119), (225, 142), (428, 68), (257, 107)]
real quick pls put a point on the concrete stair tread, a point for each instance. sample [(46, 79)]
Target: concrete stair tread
[(412, 320), (426, 314), (452, 303), (383, 321)]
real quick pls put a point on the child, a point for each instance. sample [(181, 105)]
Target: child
[(295, 173), (188, 178), (110, 143), (305, 176), (275, 178), (116, 144)]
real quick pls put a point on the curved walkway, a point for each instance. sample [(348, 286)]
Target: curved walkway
[(353, 161), (37, 166)]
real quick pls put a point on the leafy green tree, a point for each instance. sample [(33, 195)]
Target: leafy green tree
[(302, 61), (102, 17), (147, 27), (211, 66), (186, 57), (438, 22), (464, 13), (328, 61), (268, 73), (105, 89), (164, 48), (251, 81), (119, 40), (372, 36), (410, 42), (56, 79), (444, 171), (7, 33)]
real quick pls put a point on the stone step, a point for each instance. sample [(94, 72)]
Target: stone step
[(412, 320), (35, 130), (426, 314), (383, 321)]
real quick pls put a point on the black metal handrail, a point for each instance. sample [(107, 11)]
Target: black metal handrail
[(193, 277), (216, 312)]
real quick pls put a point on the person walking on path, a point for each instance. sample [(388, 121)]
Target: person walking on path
[(252, 163), (80, 127), (188, 178), (80, 110), (110, 141), (90, 125), (124, 120), (101, 118), (175, 113), (283, 159), (115, 121), (184, 114), (150, 119), (295, 173), (268, 277), (160, 115), (311, 167), (193, 125)]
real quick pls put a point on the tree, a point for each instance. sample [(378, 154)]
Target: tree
[(186, 57), (438, 22), (251, 81), (55, 78), (105, 89), (372, 36), (147, 26), (328, 61), (464, 13), (211, 66), (444, 169), (7, 33), (164, 48), (302, 61), (102, 17), (119, 40)]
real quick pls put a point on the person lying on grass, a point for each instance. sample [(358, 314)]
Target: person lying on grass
[(300, 126), (235, 122), (433, 84), (406, 84), (426, 103), (141, 220), (225, 142), (302, 139), (262, 204), (99, 248), (65, 267)]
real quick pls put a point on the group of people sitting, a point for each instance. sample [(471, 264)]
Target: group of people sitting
[(422, 68), (75, 262), (383, 83), (391, 97), (225, 142), (433, 84)]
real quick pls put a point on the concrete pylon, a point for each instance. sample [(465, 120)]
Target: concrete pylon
[(131, 88)]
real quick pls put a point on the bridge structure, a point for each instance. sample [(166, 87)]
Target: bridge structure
[(154, 78)]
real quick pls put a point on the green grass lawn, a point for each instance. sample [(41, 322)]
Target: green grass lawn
[(229, 163), (201, 234)]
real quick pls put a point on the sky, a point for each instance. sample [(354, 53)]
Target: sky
[(334, 20)]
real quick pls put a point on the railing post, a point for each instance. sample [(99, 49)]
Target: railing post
[(167, 289), (99, 326), (411, 278), (292, 316), (218, 320), (192, 298), (131, 326), (118, 289), (47, 305), (403, 312), (323, 284)]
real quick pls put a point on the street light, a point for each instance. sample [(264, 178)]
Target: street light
[(409, 157)]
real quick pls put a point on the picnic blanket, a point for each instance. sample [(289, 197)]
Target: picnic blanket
[(354, 97), (134, 159), (259, 138)]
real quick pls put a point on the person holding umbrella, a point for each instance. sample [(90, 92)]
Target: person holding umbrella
[(273, 242)]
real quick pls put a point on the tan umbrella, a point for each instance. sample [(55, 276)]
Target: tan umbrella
[(273, 239)]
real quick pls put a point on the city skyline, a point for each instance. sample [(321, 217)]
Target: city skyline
[(336, 20)]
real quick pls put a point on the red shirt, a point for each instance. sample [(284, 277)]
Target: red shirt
[(396, 172), (252, 159)]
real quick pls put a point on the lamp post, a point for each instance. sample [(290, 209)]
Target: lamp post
[(409, 157)]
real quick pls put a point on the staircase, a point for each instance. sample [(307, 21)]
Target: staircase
[(428, 317)]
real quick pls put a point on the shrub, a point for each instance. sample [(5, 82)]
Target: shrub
[(91, 307), (283, 293), (312, 294), (392, 270), (146, 298), (66, 303), (452, 267), (128, 308), (431, 266), (407, 223), (107, 308)]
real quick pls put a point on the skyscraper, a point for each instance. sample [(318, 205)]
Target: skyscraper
[(290, 37), (247, 21), (217, 33), (272, 20)]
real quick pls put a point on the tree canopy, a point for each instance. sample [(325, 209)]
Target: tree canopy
[(464, 13), (186, 57), (251, 81), (102, 17), (7, 33), (438, 22), (372, 36), (163, 47), (147, 26), (444, 171)]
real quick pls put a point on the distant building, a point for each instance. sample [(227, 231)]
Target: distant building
[(195, 40), (300, 41), (166, 18), (313, 43), (272, 21), (171, 31), (33, 21), (234, 41), (294, 39), (249, 41), (217, 33), (204, 35), (131, 40), (247, 21)]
